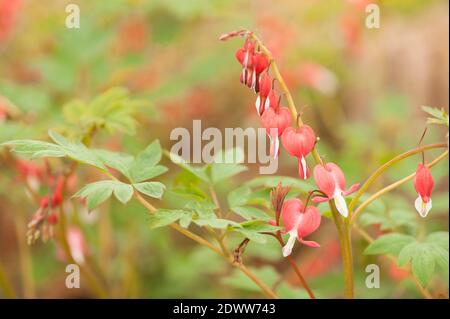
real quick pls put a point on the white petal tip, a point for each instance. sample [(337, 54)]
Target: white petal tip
[(287, 249), (341, 205), (422, 208), (258, 103)]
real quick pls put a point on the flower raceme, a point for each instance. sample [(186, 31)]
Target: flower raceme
[(299, 221), (299, 143), (331, 181), (275, 120), (423, 183), (46, 216)]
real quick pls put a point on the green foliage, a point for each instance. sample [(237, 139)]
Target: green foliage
[(165, 217), (112, 110), (152, 189), (423, 256), (249, 212), (239, 196), (226, 165), (390, 220), (137, 170), (389, 244), (439, 117), (98, 192)]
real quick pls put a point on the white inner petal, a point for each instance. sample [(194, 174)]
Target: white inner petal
[(258, 103), (266, 104), (422, 207), (253, 80), (287, 249), (303, 161), (341, 205), (276, 146), (246, 59)]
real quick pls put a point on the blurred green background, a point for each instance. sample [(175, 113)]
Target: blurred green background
[(361, 89)]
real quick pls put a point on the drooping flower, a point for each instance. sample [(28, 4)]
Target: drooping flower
[(265, 86), (423, 183), (260, 63), (331, 181), (299, 143), (253, 64), (275, 120), (245, 57), (299, 221)]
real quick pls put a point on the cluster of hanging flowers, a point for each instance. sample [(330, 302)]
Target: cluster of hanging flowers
[(300, 220), (46, 216)]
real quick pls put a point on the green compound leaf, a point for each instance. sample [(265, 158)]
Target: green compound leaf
[(98, 192), (152, 189)]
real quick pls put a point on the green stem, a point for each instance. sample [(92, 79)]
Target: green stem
[(5, 284), (344, 233), (26, 262)]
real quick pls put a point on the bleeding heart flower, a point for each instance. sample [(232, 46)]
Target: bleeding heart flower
[(245, 57), (265, 86), (299, 222), (423, 183), (331, 181), (275, 122), (299, 143), (260, 63)]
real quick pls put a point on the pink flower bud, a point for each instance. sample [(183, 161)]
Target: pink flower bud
[(423, 183)]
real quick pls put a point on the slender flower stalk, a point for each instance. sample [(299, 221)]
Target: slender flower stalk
[(5, 284), (379, 171), (390, 187)]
